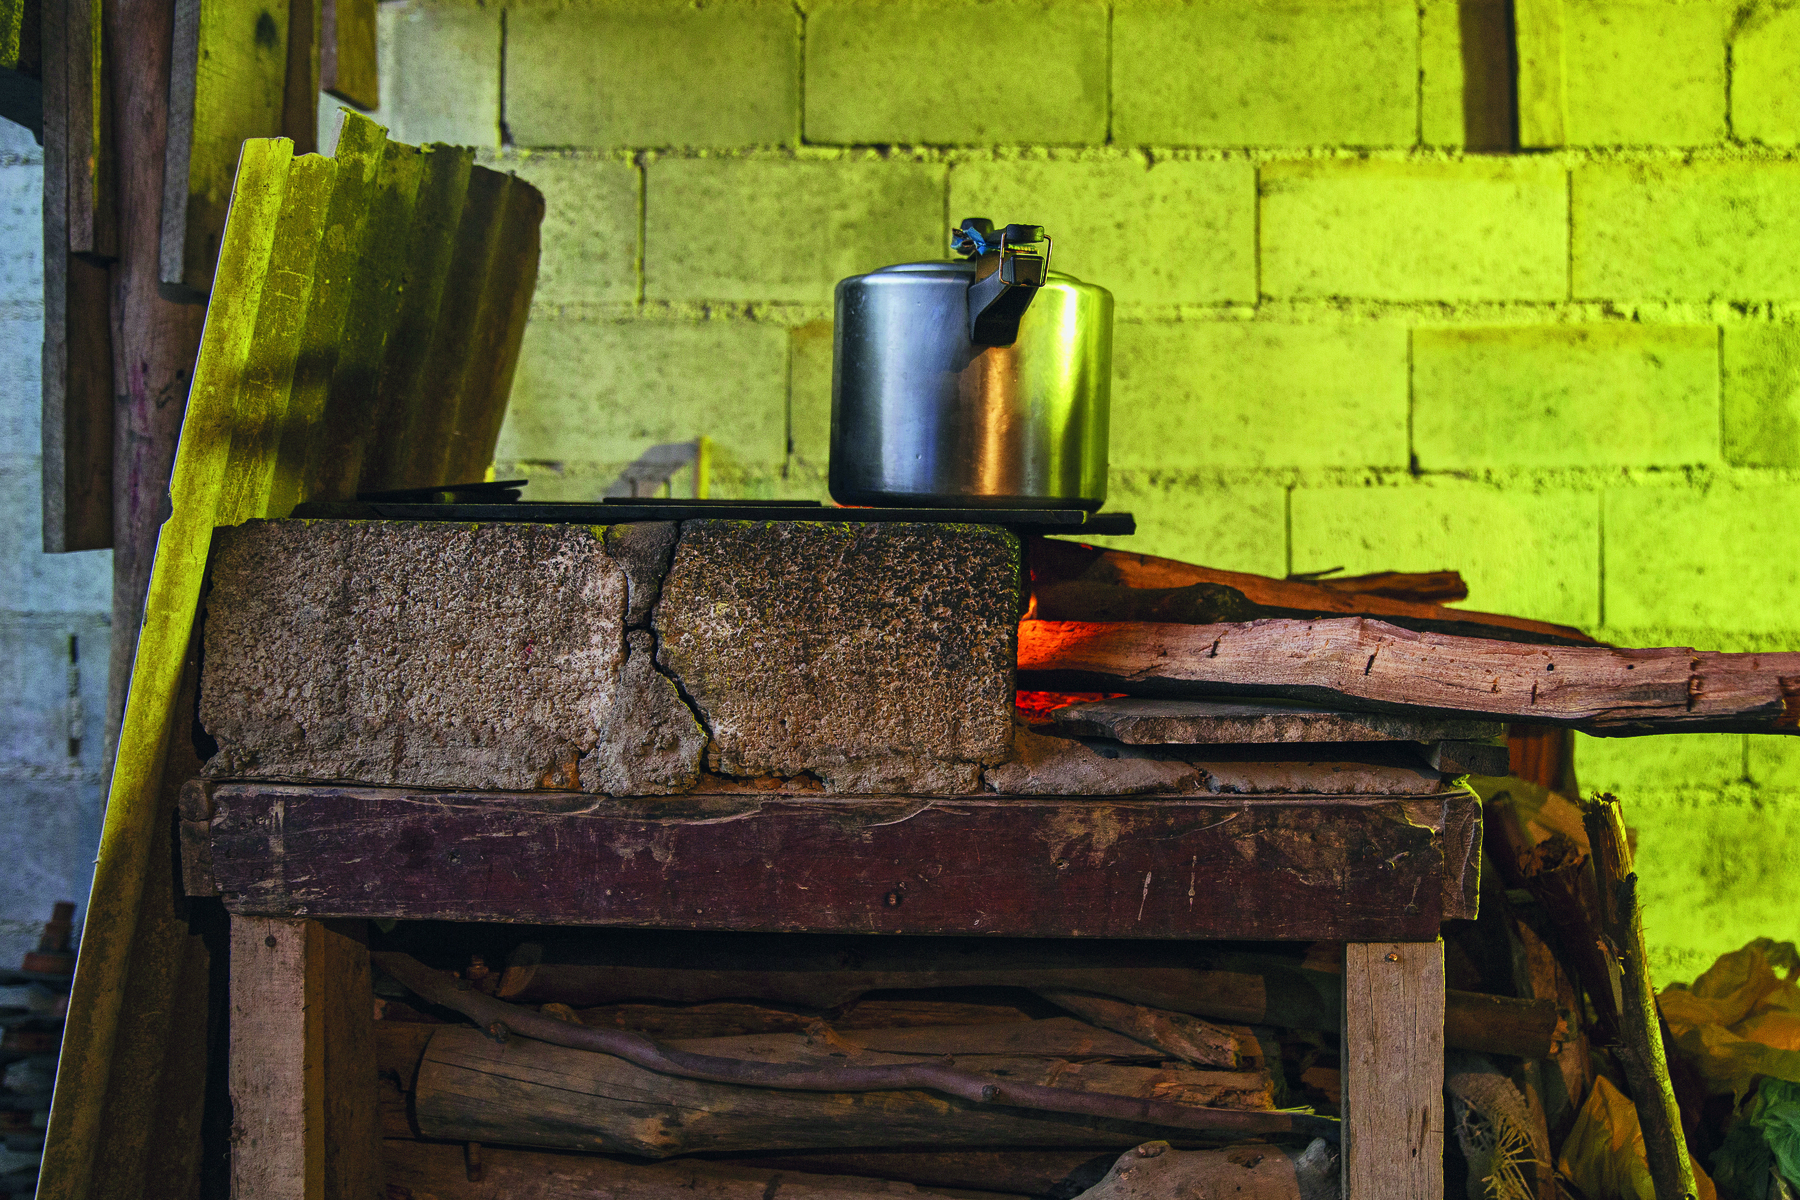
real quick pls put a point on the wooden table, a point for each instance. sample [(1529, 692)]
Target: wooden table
[(1378, 874)]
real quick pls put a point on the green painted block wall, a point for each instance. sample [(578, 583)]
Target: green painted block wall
[(1356, 328)]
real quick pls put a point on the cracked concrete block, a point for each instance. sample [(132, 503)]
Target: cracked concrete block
[(392, 653), (650, 744), (643, 549), (877, 657)]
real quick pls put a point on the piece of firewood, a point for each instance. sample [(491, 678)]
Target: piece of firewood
[(1641, 1048), (421, 1169), (1038, 1171), (471, 1088), (1053, 561), (501, 1020), (1155, 1171), (1044, 1059), (1416, 587), (1272, 995), (1355, 662), (1187, 1038)]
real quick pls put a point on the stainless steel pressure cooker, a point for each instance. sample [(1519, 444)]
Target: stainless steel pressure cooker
[(979, 382)]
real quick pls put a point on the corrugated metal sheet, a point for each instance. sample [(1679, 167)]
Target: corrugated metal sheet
[(362, 331)]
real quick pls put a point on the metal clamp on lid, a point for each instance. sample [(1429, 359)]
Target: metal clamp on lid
[(1011, 265)]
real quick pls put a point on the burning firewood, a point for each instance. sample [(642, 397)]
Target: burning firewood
[(1355, 663)]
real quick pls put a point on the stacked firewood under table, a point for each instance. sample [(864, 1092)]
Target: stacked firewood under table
[(636, 812)]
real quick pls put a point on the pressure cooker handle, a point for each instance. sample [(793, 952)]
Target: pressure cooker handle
[(1011, 265)]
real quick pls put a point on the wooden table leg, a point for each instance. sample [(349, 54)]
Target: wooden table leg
[(306, 1123), (1393, 1071)]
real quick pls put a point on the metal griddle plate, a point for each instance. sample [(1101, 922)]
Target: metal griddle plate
[(1061, 521)]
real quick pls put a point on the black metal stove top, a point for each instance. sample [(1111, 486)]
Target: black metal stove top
[(498, 502)]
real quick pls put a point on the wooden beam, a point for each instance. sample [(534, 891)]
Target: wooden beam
[(1174, 867), (1359, 663), (228, 83), (306, 1122), (1393, 1060)]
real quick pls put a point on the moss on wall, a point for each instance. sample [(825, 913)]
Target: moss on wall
[(1349, 333)]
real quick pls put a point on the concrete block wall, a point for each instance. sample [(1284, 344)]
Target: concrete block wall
[(1356, 327), (54, 611)]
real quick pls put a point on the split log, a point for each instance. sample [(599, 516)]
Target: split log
[(420, 1169), (1155, 1171), (1641, 1048), (1052, 562), (1366, 664), (471, 1088), (1185, 1037), (979, 1091)]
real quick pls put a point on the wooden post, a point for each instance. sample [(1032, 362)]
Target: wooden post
[(306, 1120), (1392, 1055)]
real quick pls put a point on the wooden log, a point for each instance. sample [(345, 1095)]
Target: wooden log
[(420, 1169), (939, 1076), (1366, 664), (1393, 1064), (529, 1093), (1179, 1034), (1176, 867), (1640, 1050), (1051, 561)]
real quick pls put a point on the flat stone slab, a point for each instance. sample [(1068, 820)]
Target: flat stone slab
[(645, 659), (878, 657), (1239, 722)]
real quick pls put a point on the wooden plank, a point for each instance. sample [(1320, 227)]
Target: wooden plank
[(1292, 867), (300, 85), (1140, 722), (77, 406), (301, 1075), (1393, 1066), (87, 125), (1357, 662), (347, 58), (277, 1067), (227, 83), (130, 852), (1053, 561)]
